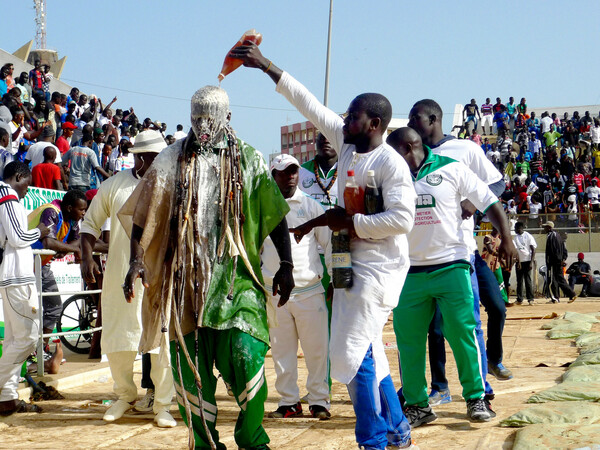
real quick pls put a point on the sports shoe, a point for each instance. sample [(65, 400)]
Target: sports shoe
[(417, 415), (319, 412), (146, 403), (572, 299), (489, 407), (499, 371), (490, 396), (477, 410), (531, 302), (519, 302), (439, 397), (285, 411)]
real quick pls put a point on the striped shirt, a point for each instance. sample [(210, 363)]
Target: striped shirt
[(17, 266)]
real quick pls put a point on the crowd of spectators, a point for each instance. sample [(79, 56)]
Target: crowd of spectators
[(76, 139), (551, 165)]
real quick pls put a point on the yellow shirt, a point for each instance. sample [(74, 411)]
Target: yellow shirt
[(596, 156)]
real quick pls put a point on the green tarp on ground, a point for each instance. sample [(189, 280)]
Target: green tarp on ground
[(556, 412), (568, 392), (548, 436), (569, 330), (588, 339), (579, 317), (582, 374), (586, 359), (554, 323)]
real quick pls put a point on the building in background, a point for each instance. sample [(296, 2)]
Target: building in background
[(299, 138)]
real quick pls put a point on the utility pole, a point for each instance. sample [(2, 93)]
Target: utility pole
[(326, 95)]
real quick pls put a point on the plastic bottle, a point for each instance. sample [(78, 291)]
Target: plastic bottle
[(354, 196), (373, 197), (230, 64), (341, 260)]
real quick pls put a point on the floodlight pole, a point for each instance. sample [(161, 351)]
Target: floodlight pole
[(326, 95)]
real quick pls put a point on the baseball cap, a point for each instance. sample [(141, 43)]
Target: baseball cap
[(548, 224), (283, 161), (48, 131), (68, 126), (580, 255)]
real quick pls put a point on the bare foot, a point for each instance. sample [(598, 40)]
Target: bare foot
[(53, 364)]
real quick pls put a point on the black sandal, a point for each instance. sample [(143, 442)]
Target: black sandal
[(22, 407)]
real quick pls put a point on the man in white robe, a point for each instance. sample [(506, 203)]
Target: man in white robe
[(122, 321)]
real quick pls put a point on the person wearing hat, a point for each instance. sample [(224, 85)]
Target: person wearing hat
[(121, 320), (304, 317), (83, 160), (62, 142), (556, 255), (580, 272)]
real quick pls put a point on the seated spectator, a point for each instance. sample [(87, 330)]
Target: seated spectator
[(580, 272), (6, 156), (486, 146), (476, 137), (47, 174), (533, 124), (35, 154)]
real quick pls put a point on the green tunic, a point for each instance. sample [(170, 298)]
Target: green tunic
[(151, 207)]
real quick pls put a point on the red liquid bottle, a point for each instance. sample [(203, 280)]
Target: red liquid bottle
[(354, 196), (230, 64)]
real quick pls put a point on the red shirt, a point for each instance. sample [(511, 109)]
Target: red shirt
[(44, 174), (63, 145), (578, 179)]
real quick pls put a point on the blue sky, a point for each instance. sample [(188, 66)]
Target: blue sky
[(406, 50)]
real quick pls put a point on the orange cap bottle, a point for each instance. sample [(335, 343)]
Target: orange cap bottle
[(230, 64)]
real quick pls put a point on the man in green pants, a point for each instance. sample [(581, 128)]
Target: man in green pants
[(200, 216), (439, 275)]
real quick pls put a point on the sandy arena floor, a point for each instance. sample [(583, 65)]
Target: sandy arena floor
[(536, 362)]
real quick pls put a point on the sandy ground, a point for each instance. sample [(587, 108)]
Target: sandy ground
[(537, 363)]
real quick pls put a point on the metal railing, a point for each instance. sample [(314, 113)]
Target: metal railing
[(586, 222), (38, 284)]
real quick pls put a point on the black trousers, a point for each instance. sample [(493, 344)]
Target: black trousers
[(524, 275), (557, 280)]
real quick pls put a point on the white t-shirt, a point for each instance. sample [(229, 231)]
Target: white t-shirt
[(179, 135), (593, 193), (523, 243), (35, 154), (546, 122), (16, 142), (534, 210)]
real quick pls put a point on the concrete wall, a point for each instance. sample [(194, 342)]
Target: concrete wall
[(22, 66)]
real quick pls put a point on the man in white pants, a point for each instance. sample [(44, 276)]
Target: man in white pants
[(17, 286), (304, 316), (122, 321)]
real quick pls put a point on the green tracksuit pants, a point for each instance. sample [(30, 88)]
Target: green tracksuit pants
[(240, 359), (450, 288)]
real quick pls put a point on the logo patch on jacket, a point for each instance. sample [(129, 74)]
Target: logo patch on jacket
[(433, 179)]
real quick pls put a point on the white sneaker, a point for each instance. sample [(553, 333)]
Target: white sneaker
[(116, 411), (165, 420), (146, 403)]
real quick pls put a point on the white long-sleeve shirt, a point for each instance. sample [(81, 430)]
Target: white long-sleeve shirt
[(380, 255), (308, 270), (17, 266)]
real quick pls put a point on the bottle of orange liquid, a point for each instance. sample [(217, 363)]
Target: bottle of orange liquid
[(230, 64), (354, 196)]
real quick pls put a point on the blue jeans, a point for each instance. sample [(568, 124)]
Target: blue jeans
[(437, 348), (379, 418), (472, 119)]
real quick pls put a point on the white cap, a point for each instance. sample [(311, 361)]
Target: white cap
[(283, 161)]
